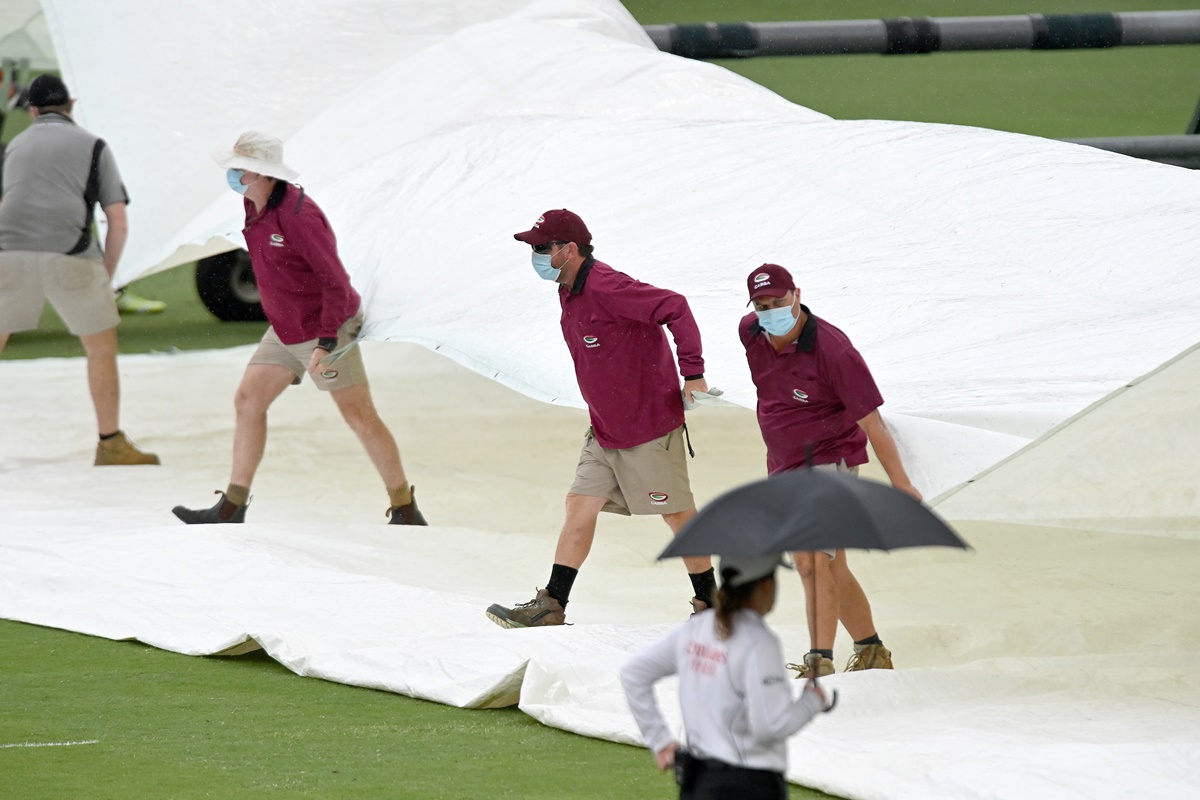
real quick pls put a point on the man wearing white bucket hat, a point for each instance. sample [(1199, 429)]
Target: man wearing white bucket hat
[(314, 312)]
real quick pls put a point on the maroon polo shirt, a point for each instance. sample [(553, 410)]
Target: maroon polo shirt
[(613, 327), (306, 293), (811, 395)]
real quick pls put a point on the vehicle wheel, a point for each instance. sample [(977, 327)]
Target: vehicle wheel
[(226, 286)]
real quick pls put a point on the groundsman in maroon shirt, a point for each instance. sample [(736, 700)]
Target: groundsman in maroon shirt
[(315, 317), (818, 405), (633, 457)]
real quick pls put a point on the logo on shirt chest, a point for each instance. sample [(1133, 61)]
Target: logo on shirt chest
[(276, 240), (799, 394), (591, 341)]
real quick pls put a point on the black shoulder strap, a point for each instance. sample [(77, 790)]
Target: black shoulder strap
[(91, 194)]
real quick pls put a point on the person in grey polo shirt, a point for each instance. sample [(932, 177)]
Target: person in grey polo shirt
[(55, 173)]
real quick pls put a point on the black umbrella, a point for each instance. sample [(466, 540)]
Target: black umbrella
[(810, 509)]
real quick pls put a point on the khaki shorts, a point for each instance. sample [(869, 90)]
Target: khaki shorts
[(840, 467), (79, 289), (347, 371), (651, 478)]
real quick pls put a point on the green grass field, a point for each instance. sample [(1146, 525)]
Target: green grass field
[(166, 725), (174, 726)]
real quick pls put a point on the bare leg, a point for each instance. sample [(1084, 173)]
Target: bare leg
[(3, 341), (103, 382), (360, 414), (853, 607), (676, 522), (820, 598), (261, 384), (579, 529)]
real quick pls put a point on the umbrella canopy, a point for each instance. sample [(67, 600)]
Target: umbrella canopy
[(811, 509)]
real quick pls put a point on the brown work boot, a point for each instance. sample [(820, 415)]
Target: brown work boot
[(822, 665), (119, 451), (539, 612), (223, 512), (869, 656), (407, 514)]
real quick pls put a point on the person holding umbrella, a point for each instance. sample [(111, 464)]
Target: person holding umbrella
[(738, 711), (818, 406)]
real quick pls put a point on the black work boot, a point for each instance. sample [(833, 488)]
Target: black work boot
[(223, 511), (407, 514)]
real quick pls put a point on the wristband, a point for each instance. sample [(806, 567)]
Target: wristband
[(699, 377), (327, 343)]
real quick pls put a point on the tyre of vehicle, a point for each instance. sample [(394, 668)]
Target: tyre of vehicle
[(226, 285)]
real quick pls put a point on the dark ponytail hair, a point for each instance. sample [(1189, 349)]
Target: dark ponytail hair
[(732, 599)]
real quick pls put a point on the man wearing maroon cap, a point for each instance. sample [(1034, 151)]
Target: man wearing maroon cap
[(633, 456), (818, 405)]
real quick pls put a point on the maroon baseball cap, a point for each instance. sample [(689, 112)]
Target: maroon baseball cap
[(558, 225), (769, 280)]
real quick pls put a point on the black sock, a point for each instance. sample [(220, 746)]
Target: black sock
[(104, 437), (823, 653), (704, 584), (561, 580), (872, 639)]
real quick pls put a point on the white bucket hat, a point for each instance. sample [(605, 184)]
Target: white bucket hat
[(740, 570), (256, 152)]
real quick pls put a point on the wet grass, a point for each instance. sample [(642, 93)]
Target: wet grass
[(153, 724)]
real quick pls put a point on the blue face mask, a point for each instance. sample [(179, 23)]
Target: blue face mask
[(777, 321), (541, 264), (234, 176)]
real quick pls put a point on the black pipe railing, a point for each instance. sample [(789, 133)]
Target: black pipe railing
[(913, 35)]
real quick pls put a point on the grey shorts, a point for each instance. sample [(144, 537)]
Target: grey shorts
[(651, 478), (347, 371), (79, 289)]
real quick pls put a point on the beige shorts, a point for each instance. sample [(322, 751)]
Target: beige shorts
[(840, 467), (651, 478), (79, 289), (347, 371)]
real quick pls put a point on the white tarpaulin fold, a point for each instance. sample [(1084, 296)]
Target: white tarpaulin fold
[(986, 277), (1139, 473), (1044, 663), (25, 36)]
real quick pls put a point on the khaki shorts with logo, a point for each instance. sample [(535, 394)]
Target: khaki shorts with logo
[(347, 371), (79, 289), (651, 478)]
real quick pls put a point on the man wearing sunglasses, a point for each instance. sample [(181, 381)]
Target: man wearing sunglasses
[(633, 459)]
